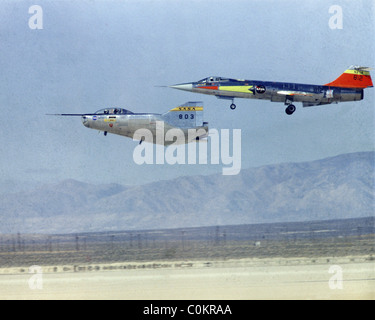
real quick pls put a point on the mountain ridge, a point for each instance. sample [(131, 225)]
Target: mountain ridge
[(333, 188)]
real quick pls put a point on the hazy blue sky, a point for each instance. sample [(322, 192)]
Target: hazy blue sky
[(94, 54)]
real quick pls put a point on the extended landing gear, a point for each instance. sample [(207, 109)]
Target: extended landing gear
[(290, 109), (232, 106)]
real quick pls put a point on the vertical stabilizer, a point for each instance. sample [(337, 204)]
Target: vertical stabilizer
[(188, 115), (354, 77)]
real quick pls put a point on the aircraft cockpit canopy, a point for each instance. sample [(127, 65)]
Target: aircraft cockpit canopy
[(213, 79), (114, 111)]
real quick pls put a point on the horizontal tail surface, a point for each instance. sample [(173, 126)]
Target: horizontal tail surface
[(354, 77)]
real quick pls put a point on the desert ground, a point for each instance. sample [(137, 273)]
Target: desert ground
[(294, 261), (277, 278)]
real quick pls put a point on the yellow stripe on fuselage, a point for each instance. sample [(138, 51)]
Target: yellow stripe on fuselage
[(187, 109), (245, 89)]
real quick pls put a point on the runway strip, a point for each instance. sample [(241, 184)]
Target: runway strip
[(235, 279)]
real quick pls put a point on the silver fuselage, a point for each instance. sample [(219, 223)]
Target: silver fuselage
[(128, 125)]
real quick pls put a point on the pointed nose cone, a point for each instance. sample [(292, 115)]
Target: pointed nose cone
[(184, 86)]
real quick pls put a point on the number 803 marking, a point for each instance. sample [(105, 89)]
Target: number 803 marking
[(186, 116)]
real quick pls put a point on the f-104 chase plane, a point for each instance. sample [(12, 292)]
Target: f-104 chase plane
[(347, 87)]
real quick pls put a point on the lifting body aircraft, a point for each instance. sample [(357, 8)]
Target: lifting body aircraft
[(347, 87), (188, 116)]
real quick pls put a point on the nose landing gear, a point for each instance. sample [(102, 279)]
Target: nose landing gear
[(233, 106)]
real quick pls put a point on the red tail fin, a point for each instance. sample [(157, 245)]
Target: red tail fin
[(354, 77)]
